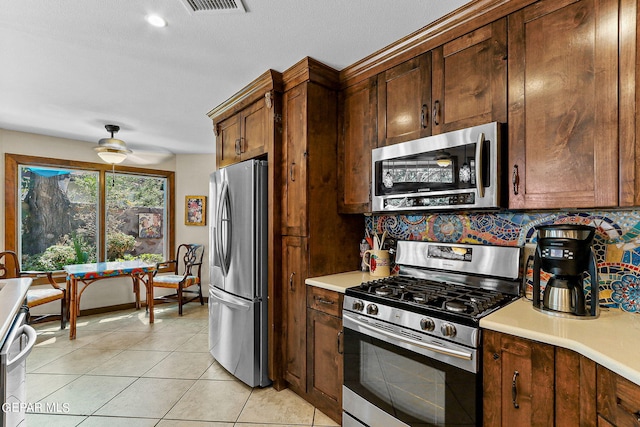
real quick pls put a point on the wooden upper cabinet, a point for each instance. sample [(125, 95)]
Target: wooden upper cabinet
[(470, 79), (563, 104), (227, 141), (244, 135), (255, 129), (356, 140), (294, 173), (404, 101)]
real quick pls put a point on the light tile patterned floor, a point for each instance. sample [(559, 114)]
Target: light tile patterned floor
[(122, 371)]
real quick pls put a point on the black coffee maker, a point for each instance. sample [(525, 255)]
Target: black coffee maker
[(564, 250)]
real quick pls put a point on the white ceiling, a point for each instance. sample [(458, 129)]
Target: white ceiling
[(68, 67)]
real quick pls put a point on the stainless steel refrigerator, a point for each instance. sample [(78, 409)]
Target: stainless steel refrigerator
[(238, 268)]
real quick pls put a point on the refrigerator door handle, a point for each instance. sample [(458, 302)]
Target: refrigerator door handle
[(223, 244), (237, 303)]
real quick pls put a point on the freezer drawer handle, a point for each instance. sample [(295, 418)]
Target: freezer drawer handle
[(235, 302)]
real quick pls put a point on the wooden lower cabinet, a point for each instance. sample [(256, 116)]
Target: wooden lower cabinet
[(618, 400), (294, 273), (518, 381), (324, 351), (527, 383)]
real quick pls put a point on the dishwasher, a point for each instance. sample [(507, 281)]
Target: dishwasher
[(13, 370)]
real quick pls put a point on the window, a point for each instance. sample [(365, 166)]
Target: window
[(61, 212)]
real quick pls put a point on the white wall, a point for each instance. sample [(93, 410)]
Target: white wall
[(191, 177)]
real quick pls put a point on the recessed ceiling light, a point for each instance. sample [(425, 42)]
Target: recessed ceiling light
[(156, 21)]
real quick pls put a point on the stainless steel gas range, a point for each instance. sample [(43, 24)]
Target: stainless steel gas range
[(412, 341)]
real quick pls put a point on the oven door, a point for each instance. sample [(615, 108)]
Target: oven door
[(386, 385)]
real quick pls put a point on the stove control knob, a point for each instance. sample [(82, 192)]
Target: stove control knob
[(358, 305), (427, 324), (372, 309), (448, 330)]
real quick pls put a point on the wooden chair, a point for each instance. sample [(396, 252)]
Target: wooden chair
[(10, 269), (187, 270)]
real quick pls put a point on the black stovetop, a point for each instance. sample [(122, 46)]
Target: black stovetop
[(440, 299)]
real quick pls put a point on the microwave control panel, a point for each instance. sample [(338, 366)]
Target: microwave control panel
[(422, 201)]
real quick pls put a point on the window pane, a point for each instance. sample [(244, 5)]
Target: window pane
[(136, 217), (58, 217)]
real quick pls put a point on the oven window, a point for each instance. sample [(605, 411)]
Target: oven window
[(415, 389)]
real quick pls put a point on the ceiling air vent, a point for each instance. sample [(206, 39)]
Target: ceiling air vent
[(214, 6)]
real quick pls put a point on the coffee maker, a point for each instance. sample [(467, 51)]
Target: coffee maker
[(564, 250)]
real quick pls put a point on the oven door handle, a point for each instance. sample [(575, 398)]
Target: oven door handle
[(426, 346)]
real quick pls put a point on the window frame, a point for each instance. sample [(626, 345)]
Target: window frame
[(12, 161)]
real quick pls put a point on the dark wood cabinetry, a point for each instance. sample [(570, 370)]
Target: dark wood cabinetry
[(470, 79), (357, 139), (244, 135), (316, 239), (404, 101), (563, 104), (618, 400), (518, 381), (324, 357), (530, 383), (294, 271)]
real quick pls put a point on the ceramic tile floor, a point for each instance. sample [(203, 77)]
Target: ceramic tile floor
[(122, 371)]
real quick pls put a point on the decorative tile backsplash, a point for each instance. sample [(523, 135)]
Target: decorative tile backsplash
[(616, 244)]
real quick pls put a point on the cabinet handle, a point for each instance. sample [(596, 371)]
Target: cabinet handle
[(514, 389), (515, 180), (292, 174), (629, 411), (340, 348), (238, 149), (325, 301), (436, 113), (424, 116), (291, 282)]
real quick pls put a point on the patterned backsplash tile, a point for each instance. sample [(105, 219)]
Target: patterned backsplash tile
[(616, 244)]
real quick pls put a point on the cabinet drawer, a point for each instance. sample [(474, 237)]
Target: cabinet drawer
[(618, 399), (324, 300)]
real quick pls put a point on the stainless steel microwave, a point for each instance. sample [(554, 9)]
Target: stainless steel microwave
[(454, 170)]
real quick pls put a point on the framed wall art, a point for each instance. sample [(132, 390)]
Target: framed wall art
[(149, 225), (195, 210)]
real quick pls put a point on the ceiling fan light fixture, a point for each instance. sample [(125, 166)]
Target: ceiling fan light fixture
[(112, 150), (443, 160)]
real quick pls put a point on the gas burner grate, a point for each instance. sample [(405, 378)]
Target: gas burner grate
[(444, 296)]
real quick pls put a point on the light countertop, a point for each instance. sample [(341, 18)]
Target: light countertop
[(341, 281), (12, 295), (611, 340)]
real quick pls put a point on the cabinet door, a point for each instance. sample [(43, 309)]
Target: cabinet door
[(470, 79), (404, 101), (294, 201), (563, 105), (518, 381), (575, 389), (294, 274), (255, 129), (228, 142), (357, 139), (618, 399), (325, 361)]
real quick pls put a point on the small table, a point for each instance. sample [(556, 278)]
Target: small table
[(86, 274)]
